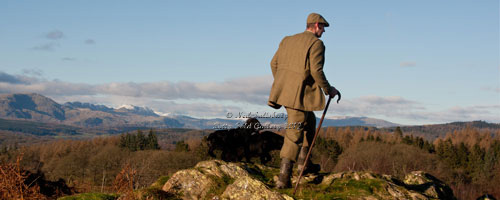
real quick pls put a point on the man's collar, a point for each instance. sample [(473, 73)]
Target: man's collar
[(309, 32)]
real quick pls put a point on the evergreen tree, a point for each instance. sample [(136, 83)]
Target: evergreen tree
[(408, 140), (428, 147), (420, 142), (131, 142), (462, 155), (123, 141), (398, 133), (491, 158), (476, 164), (152, 140), (181, 146), (448, 152), (140, 140), (440, 148), (328, 147)]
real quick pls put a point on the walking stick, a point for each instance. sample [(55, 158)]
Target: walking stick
[(312, 143)]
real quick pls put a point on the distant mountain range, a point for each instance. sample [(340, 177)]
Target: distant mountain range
[(38, 108)]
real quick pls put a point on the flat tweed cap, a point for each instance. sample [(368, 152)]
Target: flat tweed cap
[(317, 18)]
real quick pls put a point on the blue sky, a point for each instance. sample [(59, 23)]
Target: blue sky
[(409, 62)]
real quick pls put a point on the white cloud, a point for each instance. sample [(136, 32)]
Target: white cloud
[(490, 113), (50, 46), (68, 59), (54, 35), (7, 78), (46, 47), (19, 81), (32, 72), (399, 108), (194, 109), (47, 88), (212, 99), (376, 105), (493, 89), (408, 64), (250, 89), (89, 41)]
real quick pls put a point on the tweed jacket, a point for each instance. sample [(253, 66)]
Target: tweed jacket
[(297, 68)]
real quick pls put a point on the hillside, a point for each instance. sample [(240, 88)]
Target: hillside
[(31, 106), (434, 131)]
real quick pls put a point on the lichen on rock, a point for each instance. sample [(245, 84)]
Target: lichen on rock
[(246, 187), (221, 168), (216, 179), (209, 179), (429, 185), (189, 183)]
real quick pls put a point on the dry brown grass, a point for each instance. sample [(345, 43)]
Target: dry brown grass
[(13, 185), (124, 183)]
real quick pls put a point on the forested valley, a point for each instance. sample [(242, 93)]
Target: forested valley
[(466, 159)]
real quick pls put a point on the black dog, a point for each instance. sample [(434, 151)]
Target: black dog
[(229, 141), (244, 142)]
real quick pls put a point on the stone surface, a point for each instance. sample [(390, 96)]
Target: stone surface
[(220, 168), (248, 188), (190, 184), (429, 185), (217, 179)]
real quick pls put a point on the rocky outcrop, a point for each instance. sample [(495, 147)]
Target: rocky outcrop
[(429, 185), (217, 179), (416, 185)]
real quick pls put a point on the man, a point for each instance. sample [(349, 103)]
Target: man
[(299, 84)]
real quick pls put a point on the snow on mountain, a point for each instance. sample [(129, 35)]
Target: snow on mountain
[(138, 110)]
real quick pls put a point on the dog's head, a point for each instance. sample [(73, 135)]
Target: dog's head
[(253, 124), (217, 140)]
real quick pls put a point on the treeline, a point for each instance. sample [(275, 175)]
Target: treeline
[(139, 141), (92, 165), (472, 163), (467, 159)]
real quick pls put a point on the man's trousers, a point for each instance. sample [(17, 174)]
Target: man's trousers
[(299, 132)]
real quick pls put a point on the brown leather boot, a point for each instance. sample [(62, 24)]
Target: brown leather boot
[(285, 174)]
